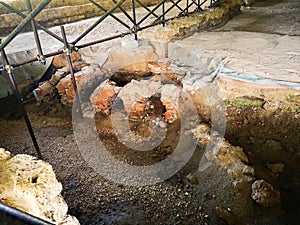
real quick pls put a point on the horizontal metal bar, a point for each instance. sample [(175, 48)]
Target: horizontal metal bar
[(47, 55), (103, 40), (28, 18)]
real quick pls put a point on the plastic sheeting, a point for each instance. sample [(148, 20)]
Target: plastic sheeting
[(248, 77), (27, 74)]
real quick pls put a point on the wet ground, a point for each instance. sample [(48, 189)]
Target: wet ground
[(267, 130)]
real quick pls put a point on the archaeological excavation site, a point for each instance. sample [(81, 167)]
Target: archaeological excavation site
[(117, 112)]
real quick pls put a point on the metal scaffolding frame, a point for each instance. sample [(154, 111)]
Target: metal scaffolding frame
[(159, 12), (134, 27)]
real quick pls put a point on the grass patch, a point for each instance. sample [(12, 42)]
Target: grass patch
[(246, 101)]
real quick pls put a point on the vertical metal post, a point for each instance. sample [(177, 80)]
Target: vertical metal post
[(36, 36), (9, 71), (187, 7), (163, 13), (134, 20), (68, 52)]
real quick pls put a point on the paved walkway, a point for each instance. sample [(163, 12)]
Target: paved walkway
[(263, 41)]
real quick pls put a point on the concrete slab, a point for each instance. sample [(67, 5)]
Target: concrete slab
[(265, 55)]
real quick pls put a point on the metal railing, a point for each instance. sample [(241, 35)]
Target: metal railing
[(13, 216), (158, 14)]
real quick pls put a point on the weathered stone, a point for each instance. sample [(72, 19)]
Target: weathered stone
[(30, 185), (45, 92), (136, 96), (104, 96), (264, 194), (170, 95), (276, 167), (87, 80), (60, 60), (226, 215), (66, 90), (134, 59), (232, 158), (57, 77)]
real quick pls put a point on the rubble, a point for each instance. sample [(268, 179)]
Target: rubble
[(232, 158), (60, 60), (276, 167), (264, 194), (104, 96), (45, 92), (66, 90), (87, 80), (30, 185), (227, 215)]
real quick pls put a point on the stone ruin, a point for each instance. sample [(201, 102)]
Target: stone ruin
[(137, 85), (30, 185)]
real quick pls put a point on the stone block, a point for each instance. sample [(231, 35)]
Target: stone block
[(60, 60), (30, 185), (264, 194)]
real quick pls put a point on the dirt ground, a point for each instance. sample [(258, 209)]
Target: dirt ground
[(268, 131)]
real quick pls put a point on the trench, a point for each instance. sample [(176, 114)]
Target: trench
[(250, 126)]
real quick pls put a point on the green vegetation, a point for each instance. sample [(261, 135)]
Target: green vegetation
[(293, 98), (246, 101)]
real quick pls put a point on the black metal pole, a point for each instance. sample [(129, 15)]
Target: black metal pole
[(20, 216), (36, 36), (68, 52), (135, 28), (9, 71), (187, 7), (163, 13)]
